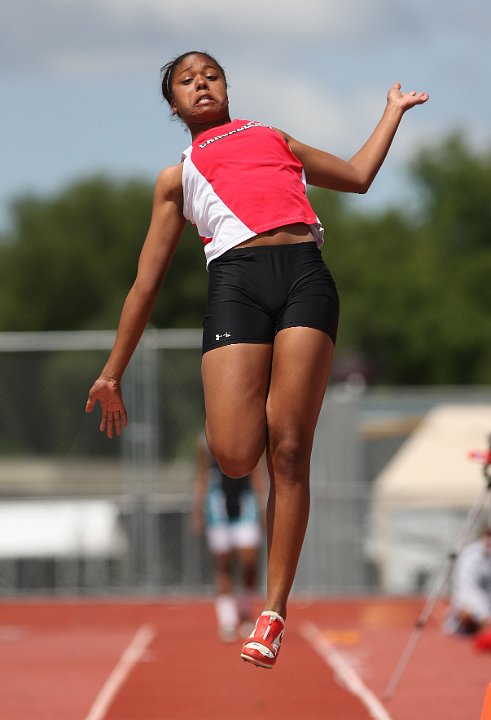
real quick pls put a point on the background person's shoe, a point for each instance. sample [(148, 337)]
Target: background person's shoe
[(227, 634)]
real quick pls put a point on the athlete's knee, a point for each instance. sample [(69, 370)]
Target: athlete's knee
[(235, 460), (290, 455), (236, 464)]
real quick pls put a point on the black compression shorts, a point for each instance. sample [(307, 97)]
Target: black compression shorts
[(256, 291)]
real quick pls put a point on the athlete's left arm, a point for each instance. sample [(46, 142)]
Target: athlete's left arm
[(357, 174)]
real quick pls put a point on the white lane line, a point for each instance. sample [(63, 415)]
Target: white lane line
[(127, 661), (343, 671)]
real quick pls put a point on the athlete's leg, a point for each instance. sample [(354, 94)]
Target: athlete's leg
[(225, 603), (223, 572), (235, 382), (248, 563), (302, 359), (248, 558)]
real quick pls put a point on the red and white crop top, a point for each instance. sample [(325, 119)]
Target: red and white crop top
[(241, 179)]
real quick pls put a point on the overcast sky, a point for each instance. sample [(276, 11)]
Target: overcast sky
[(79, 79)]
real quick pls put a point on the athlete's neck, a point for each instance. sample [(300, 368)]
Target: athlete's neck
[(198, 128)]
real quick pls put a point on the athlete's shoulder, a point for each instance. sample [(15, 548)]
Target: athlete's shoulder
[(169, 181), (286, 137)]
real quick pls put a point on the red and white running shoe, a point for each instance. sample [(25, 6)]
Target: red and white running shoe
[(263, 645)]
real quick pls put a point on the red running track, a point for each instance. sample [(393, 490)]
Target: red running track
[(161, 660)]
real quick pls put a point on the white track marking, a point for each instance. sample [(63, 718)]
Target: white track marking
[(127, 661), (343, 671)]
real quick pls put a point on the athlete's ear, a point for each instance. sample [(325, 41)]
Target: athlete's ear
[(173, 107)]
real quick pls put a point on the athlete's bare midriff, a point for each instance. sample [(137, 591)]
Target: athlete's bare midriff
[(284, 235)]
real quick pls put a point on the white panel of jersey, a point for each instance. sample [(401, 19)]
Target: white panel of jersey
[(241, 179)]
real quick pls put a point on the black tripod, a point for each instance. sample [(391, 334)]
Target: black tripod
[(441, 579)]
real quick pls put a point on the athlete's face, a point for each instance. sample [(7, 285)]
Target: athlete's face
[(199, 91)]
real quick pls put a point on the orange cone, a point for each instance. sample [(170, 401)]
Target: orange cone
[(486, 708)]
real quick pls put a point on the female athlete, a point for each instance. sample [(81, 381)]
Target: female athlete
[(272, 312)]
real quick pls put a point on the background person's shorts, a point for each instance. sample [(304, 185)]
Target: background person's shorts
[(255, 291), (225, 538), (225, 534)]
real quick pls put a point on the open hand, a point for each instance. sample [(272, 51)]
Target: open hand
[(405, 100), (108, 392)]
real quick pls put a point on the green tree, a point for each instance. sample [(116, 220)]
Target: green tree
[(70, 260), (454, 184), (415, 289)]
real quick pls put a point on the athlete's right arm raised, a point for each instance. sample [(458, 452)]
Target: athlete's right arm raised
[(160, 244)]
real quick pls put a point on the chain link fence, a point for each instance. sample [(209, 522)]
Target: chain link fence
[(80, 514)]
